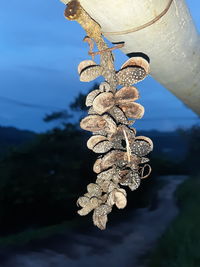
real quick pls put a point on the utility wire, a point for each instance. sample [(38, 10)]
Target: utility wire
[(36, 106), (28, 105)]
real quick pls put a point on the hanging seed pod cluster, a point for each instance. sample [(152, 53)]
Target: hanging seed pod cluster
[(122, 156)]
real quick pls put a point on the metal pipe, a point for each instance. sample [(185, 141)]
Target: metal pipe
[(163, 31)]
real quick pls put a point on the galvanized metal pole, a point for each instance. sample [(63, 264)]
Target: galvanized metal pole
[(161, 29)]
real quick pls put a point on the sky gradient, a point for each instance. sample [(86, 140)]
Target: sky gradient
[(40, 52)]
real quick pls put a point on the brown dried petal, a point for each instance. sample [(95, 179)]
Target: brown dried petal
[(93, 123), (126, 94), (137, 61), (133, 110), (91, 96), (90, 73), (130, 75), (103, 102), (94, 140), (84, 64)]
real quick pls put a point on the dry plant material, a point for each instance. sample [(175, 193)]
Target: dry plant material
[(122, 160)]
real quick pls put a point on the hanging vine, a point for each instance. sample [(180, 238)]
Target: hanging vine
[(122, 157)]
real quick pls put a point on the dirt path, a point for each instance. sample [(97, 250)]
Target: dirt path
[(119, 246)]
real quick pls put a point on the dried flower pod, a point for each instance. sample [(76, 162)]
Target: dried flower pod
[(126, 94), (120, 200), (130, 75), (110, 126), (103, 102), (94, 140), (142, 146), (105, 176), (118, 115), (137, 61), (94, 190), (104, 87), (83, 201), (85, 64), (131, 179), (93, 123), (100, 221), (86, 210), (90, 73), (118, 197), (133, 110), (90, 97)]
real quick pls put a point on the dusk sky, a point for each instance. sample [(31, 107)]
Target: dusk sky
[(40, 52)]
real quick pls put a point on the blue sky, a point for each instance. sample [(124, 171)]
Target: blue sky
[(40, 51)]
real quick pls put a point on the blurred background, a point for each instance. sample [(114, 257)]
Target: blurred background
[(45, 164)]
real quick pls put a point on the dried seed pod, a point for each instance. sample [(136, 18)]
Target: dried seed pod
[(131, 179), (110, 126), (84, 211), (142, 146), (120, 200), (118, 115), (85, 64), (83, 201), (90, 73), (137, 61), (93, 123), (104, 87), (90, 97), (133, 110), (103, 102), (100, 221), (130, 75), (94, 140), (97, 166), (94, 190), (126, 94), (100, 216), (105, 176)]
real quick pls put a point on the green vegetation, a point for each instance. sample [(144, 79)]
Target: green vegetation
[(179, 246)]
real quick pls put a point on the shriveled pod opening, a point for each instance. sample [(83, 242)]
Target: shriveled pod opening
[(85, 64), (103, 102), (133, 110), (99, 144), (142, 146), (130, 75), (90, 97), (120, 199), (93, 123), (137, 61), (90, 73), (126, 94)]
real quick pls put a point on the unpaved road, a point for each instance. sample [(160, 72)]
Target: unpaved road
[(121, 245)]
